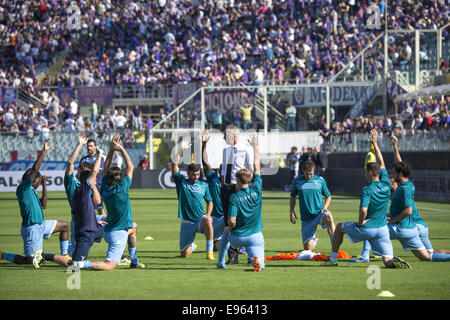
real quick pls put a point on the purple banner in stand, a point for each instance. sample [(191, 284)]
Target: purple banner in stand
[(103, 96)]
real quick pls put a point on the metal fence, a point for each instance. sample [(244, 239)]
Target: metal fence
[(420, 140), (63, 143)]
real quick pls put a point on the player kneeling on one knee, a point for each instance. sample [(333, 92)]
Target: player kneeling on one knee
[(192, 194), (245, 215), (310, 190), (120, 228), (372, 220)]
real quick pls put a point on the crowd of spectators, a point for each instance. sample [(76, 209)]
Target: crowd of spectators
[(430, 117), (29, 120), (179, 41), (232, 41), (33, 34), (214, 42)]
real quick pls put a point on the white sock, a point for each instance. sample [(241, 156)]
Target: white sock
[(333, 257), (315, 241)]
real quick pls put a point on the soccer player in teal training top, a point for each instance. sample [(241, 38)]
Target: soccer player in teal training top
[(372, 222), (34, 228), (402, 223), (71, 182), (310, 190), (416, 217), (192, 193), (214, 190), (245, 216), (86, 227), (120, 228)]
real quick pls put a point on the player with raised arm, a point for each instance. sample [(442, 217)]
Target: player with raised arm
[(91, 157), (235, 156), (71, 182), (87, 228), (372, 221), (245, 215), (34, 228), (120, 229), (418, 220), (404, 215), (192, 193), (214, 189)]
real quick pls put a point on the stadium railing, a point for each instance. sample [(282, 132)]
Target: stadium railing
[(63, 143), (420, 140)]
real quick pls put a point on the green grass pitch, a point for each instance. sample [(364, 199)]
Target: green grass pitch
[(170, 277)]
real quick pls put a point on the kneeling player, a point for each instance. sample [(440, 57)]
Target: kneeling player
[(214, 189), (421, 225), (245, 216), (34, 228), (402, 225), (372, 224), (87, 228), (120, 228), (191, 195), (313, 210)]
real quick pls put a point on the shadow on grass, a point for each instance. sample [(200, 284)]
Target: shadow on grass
[(160, 251), (22, 267)]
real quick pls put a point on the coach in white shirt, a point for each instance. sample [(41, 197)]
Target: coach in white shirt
[(234, 157)]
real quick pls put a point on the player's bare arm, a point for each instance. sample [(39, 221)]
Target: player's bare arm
[(40, 159), (205, 162), (114, 141), (44, 192), (373, 138), (185, 144), (394, 141), (82, 140)]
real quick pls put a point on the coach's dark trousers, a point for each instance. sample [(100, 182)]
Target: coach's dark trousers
[(225, 193)]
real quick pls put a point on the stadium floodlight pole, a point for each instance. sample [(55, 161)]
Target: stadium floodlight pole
[(150, 147), (386, 36), (265, 111), (417, 58), (202, 98), (327, 88), (439, 44)]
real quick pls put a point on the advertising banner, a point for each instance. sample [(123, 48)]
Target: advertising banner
[(65, 95), (23, 165), (8, 96), (339, 96), (226, 99), (9, 180), (103, 96)]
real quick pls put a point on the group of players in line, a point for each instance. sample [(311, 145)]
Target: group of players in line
[(237, 223), (83, 194)]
